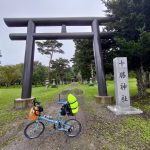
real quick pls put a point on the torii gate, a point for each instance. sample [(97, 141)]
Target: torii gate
[(31, 36)]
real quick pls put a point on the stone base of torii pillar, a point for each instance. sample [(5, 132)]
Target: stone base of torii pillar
[(104, 99), (20, 103)]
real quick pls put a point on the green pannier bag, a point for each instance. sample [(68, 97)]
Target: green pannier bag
[(73, 103)]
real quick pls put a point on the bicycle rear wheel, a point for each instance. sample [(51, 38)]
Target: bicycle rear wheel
[(73, 127), (34, 130)]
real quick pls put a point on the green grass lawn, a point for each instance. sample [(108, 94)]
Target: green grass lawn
[(91, 91)]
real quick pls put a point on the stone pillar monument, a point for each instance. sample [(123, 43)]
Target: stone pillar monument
[(122, 88), (91, 82)]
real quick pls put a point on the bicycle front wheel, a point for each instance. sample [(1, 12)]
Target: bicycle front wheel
[(34, 130), (73, 127)]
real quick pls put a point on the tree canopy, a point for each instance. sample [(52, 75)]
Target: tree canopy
[(83, 58), (39, 73), (48, 48), (12, 74), (61, 70), (132, 28)]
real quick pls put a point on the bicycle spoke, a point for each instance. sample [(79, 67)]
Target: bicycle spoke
[(73, 127), (34, 130)]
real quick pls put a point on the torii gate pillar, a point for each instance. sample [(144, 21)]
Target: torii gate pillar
[(102, 88), (28, 61)]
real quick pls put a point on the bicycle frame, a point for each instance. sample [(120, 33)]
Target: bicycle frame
[(56, 122)]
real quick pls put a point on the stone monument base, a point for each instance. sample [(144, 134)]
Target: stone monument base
[(104, 99), (54, 86), (20, 103), (124, 111), (91, 84)]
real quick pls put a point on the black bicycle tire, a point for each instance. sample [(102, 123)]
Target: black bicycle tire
[(80, 127), (25, 130)]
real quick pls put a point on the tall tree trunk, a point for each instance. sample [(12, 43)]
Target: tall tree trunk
[(146, 79), (49, 66), (140, 82)]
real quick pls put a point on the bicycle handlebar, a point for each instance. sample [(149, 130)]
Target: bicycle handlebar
[(35, 102), (62, 102)]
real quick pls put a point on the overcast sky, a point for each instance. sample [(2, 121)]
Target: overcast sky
[(13, 51)]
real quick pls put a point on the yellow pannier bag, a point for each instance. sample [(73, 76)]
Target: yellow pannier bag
[(73, 103)]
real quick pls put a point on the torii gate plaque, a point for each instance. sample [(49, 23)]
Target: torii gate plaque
[(31, 36)]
